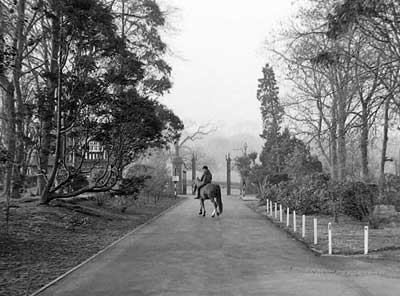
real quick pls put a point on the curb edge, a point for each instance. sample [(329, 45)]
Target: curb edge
[(56, 280)]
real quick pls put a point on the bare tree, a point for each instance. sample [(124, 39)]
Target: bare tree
[(201, 131), (336, 82)]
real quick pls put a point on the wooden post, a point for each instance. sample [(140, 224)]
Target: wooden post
[(315, 231), (365, 240), (287, 217), (294, 221), (303, 226), (280, 214), (330, 238)]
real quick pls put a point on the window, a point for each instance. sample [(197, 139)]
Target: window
[(94, 146)]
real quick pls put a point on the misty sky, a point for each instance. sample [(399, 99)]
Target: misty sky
[(220, 43)]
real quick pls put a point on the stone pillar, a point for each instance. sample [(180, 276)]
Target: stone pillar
[(177, 164), (184, 183), (228, 174), (193, 168)]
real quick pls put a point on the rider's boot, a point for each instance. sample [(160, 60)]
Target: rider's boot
[(198, 194)]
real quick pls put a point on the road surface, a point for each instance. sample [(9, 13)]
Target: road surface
[(239, 253)]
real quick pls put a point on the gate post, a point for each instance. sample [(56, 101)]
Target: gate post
[(184, 182), (177, 164), (228, 174), (193, 169)]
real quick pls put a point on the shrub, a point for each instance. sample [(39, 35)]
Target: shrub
[(315, 194), (275, 179), (308, 195), (78, 182), (131, 186), (128, 191), (393, 190), (358, 199), (30, 181)]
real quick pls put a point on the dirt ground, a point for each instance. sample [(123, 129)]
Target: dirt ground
[(44, 242)]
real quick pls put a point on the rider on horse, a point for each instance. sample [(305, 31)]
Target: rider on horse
[(206, 178)]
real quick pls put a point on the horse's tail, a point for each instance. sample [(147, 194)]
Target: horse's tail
[(219, 199)]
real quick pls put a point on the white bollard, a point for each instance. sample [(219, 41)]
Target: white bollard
[(303, 226), (267, 206), (315, 231), (280, 214), (287, 217), (330, 238), (365, 240), (270, 208), (294, 221), (276, 210)]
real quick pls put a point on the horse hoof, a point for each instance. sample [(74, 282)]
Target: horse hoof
[(217, 214)]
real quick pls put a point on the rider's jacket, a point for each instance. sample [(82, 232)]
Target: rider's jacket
[(207, 177)]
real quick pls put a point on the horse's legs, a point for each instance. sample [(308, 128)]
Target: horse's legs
[(204, 207), (215, 208), (201, 208)]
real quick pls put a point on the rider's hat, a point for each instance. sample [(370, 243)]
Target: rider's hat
[(205, 167)]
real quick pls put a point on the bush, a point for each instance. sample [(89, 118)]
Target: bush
[(358, 199), (393, 190), (128, 191), (78, 182), (308, 196), (131, 186), (275, 179), (315, 194), (30, 181)]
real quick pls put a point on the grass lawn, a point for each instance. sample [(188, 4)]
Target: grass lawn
[(347, 235), (44, 242)]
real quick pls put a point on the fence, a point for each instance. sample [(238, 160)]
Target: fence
[(291, 224)]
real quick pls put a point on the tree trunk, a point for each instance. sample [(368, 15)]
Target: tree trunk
[(341, 140), (47, 119), (9, 111), (333, 142), (19, 42), (364, 143), (49, 106), (10, 142), (384, 149)]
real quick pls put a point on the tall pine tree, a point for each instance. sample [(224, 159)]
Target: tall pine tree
[(272, 113)]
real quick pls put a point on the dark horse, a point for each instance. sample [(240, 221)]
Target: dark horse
[(211, 192)]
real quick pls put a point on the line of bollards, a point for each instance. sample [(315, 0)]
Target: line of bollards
[(272, 210)]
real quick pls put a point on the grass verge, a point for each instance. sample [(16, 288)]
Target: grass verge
[(347, 235), (45, 242)]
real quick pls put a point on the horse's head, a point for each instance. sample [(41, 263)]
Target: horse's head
[(195, 184)]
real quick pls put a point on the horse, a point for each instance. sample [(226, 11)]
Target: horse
[(211, 192)]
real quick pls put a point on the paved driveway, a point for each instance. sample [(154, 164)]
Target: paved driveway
[(239, 253)]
